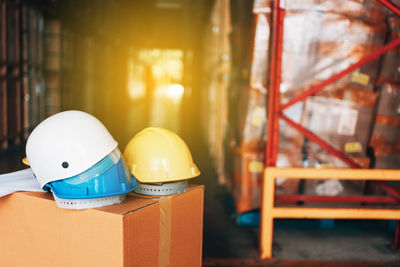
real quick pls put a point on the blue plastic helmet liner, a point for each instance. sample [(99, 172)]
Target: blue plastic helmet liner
[(109, 177)]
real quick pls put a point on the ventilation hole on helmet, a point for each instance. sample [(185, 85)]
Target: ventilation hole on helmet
[(65, 164)]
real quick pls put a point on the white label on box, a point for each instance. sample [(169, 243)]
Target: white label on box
[(258, 116), (347, 121)]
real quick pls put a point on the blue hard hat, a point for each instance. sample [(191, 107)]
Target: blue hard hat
[(109, 177)]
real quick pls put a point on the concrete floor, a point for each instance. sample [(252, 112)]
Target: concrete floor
[(352, 241)]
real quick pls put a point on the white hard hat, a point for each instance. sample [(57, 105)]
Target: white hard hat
[(67, 144)]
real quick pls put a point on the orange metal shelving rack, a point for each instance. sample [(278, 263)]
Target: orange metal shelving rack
[(275, 113)]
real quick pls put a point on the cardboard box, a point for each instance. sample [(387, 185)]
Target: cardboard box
[(247, 180), (248, 175), (388, 161), (252, 118), (390, 67), (343, 123), (259, 61), (389, 100), (385, 138), (141, 231), (368, 11), (322, 38), (339, 47)]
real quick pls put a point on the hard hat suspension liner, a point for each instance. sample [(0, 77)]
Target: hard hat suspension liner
[(161, 189), (88, 202)]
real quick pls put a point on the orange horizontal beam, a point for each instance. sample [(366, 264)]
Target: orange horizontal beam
[(269, 212), (336, 213), (343, 174)]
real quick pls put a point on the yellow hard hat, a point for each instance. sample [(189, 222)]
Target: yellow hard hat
[(157, 155)]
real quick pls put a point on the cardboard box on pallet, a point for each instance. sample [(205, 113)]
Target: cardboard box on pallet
[(343, 119), (248, 163), (217, 68), (344, 41), (252, 121), (387, 161), (389, 100), (248, 175), (384, 161), (385, 139), (252, 117), (247, 180), (370, 10), (390, 66), (319, 43), (262, 6), (259, 61), (299, 55), (141, 231)]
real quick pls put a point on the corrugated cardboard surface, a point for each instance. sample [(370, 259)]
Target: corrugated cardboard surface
[(247, 178), (35, 232), (390, 67), (248, 175), (340, 123)]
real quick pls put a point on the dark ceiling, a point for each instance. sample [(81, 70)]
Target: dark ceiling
[(150, 23)]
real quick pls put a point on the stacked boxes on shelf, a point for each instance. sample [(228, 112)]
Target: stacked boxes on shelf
[(252, 120), (22, 85), (66, 82), (342, 114), (217, 68), (390, 67), (33, 30), (33, 86), (13, 82), (248, 149), (320, 39), (52, 65), (385, 139), (3, 77)]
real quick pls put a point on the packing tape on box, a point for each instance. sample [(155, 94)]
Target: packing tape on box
[(387, 120), (165, 227), (165, 232)]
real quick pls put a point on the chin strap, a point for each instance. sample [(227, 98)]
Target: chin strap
[(161, 189)]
